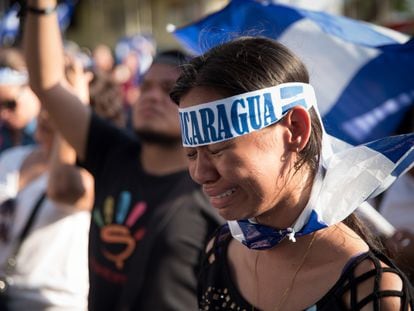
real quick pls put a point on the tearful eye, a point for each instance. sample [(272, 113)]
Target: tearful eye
[(214, 151), (218, 148)]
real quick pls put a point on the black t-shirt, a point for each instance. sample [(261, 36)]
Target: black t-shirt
[(126, 199), (216, 290)]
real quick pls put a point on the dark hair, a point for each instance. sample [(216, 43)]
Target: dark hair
[(172, 57), (252, 63), (249, 64)]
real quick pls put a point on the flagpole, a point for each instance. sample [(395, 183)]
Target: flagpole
[(376, 220)]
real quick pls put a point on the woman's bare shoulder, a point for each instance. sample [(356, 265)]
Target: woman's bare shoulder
[(367, 279)]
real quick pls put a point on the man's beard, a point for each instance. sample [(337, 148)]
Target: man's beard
[(161, 139)]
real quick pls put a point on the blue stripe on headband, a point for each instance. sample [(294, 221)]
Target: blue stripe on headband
[(242, 114)]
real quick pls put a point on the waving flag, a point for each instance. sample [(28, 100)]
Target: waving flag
[(362, 73), (10, 22)]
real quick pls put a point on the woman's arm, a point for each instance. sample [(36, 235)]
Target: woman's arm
[(68, 183), (375, 285), (45, 60)]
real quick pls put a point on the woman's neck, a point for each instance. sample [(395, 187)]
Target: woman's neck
[(295, 197)]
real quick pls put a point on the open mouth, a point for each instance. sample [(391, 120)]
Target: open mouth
[(224, 194)]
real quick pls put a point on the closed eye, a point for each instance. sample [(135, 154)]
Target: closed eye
[(216, 149), (191, 153)]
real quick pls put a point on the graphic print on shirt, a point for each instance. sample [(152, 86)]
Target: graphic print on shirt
[(116, 227)]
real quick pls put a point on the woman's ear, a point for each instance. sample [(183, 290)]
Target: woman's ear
[(298, 124)]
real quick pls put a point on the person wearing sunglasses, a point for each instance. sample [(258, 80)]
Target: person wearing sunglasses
[(19, 106)]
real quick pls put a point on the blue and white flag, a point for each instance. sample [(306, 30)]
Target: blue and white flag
[(10, 22), (361, 72)]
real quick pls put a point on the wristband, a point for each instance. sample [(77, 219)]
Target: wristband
[(38, 11)]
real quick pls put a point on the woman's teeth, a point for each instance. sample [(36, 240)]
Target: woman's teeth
[(224, 194)]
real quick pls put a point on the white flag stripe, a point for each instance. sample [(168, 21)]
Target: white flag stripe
[(345, 60)]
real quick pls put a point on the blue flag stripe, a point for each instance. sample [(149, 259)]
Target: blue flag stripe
[(406, 163), (393, 147)]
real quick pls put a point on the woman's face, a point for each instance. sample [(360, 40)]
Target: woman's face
[(243, 177)]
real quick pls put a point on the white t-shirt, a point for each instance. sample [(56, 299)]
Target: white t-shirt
[(397, 205), (52, 265)]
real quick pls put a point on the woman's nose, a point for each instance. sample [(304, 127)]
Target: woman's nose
[(203, 170)]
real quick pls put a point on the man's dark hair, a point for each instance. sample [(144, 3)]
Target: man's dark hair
[(172, 57)]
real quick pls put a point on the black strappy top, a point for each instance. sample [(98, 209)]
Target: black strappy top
[(217, 291)]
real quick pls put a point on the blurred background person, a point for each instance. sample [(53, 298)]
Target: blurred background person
[(36, 283), (105, 93), (103, 60), (96, 87), (106, 99), (51, 270), (18, 104), (134, 55)]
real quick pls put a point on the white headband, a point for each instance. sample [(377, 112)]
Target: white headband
[(242, 114), (9, 76)]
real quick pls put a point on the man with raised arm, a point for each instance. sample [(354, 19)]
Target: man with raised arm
[(150, 221)]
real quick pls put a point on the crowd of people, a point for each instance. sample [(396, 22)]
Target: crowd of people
[(190, 186)]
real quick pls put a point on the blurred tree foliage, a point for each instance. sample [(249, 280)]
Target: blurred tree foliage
[(378, 11)]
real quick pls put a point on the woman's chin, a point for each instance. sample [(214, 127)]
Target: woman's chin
[(229, 215)]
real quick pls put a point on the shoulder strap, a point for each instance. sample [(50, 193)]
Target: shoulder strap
[(11, 261), (140, 259), (31, 219)]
